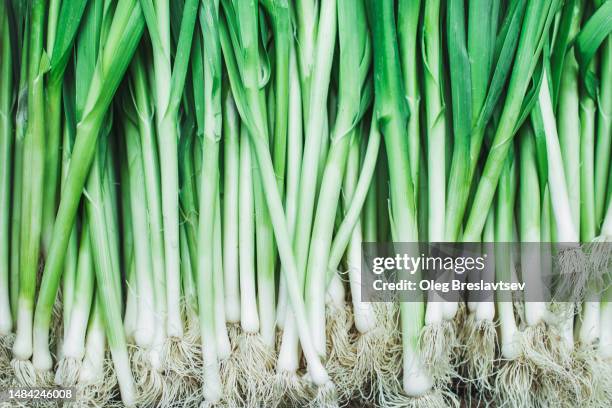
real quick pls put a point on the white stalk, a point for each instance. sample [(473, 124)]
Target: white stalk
[(505, 261), (566, 230), (265, 266), (531, 267), (150, 161), (6, 321), (74, 341), (168, 138), (485, 309), (509, 341), (121, 362), (510, 347), (249, 319), (159, 340), (589, 329), (224, 347), (230, 210), (434, 313), (92, 370), (417, 381), (267, 314), (449, 309), (316, 272), (22, 347), (364, 315), (145, 323), (336, 293), (567, 326), (289, 353), (605, 336)]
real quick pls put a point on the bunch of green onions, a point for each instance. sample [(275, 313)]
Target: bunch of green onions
[(186, 187)]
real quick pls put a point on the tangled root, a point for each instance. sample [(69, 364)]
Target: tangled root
[(599, 252), (180, 390), (595, 376), (479, 339), (388, 388), (149, 381), (6, 345), (230, 373), (390, 368), (255, 360), (179, 384), (438, 344), (340, 349), (181, 354), (370, 350), (377, 353), (513, 383), (230, 369), (553, 379), (394, 397), (67, 372), (574, 276), (326, 396), (181, 362), (101, 392), (25, 374), (546, 351), (292, 390), (44, 378)]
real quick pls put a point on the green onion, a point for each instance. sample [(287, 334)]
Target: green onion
[(354, 65), (246, 93), (145, 326), (355, 194), (106, 265), (6, 147), (31, 194), (169, 84), (391, 114), (150, 161), (123, 34), (211, 136), (530, 226), (20, 126), (294, 156)]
